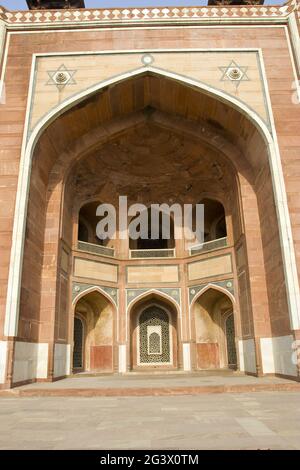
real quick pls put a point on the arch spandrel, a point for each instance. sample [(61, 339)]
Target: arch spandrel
[(169, 296), (225, 121), (212, 68), (79, 290), (226, 287)]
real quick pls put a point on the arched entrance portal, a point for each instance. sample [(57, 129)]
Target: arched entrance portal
[(159, 143), (93, 333), (153, 335), (214, 331)]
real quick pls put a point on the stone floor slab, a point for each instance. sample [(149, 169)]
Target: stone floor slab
[(181, 422)]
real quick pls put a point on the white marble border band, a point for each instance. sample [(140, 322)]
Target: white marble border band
[(184, 14)]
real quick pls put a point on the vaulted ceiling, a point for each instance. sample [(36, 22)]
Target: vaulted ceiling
[(151, 164), (216, 120)]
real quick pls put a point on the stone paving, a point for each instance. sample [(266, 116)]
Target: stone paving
[(143, 384), (143, 380), (264, 420)]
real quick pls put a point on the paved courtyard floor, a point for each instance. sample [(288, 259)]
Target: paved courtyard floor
[(261, 420), (141, 384), (143, 380)]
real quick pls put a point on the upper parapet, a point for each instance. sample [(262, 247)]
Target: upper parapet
[(202, 14)]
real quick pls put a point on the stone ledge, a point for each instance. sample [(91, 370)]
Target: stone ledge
[(146, 15), (150, 391)]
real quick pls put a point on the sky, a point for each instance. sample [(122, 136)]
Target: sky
[(21, 4)]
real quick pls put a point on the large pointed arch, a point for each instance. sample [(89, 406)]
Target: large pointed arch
[(16, 259), (73, 100)]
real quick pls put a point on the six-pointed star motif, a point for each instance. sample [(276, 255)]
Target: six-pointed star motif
[(234, 73), (61, 77)]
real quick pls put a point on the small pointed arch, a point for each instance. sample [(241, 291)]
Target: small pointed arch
[(83, 203), (153, 312), (213, 197), (209, 312), (214, 287), (88, 215), (90, 290), (153, 294), (157, 219), (100, 314), (214, 214)]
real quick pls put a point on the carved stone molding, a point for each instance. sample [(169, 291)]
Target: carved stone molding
[(147, 15)]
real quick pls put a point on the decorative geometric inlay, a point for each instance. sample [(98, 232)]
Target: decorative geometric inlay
[(174, 293), (154, 339), (78, 344), (230, 334), (142, 15), (61, 77), (79, 288), (154, 336), (147, 59), (227, 285), (234, 73)]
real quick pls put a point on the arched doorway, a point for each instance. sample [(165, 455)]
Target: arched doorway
[(93, 333), (154, 343), (214, 331)]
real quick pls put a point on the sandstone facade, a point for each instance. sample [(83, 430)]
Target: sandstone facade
[(169, 105)]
